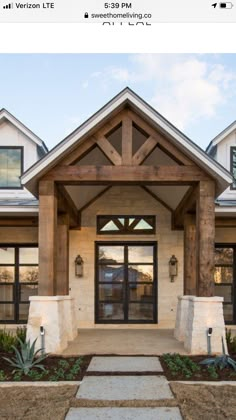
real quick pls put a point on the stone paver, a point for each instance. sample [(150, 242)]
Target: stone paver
[(125, 364), (157, 413), (124, 388)]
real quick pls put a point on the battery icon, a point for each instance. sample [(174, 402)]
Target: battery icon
[(227, 5)]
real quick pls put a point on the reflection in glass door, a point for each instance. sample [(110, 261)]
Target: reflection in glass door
[(225, 258), (18, 281), (126, 284)]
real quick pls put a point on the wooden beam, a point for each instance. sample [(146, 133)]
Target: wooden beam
[(127, 138), (67, 205), (225, 222), (127, 174), (190, 263), (186, 204), (165, 144), (63, 255), (205, 224), (111, 125), (144, 151), (47, 238), (78, 152), (107, 148), (158, 199), (18, 221)]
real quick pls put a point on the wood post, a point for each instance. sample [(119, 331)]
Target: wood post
[(127, 141), (190, 263), (63, 255), (205, 217), (47, 238)]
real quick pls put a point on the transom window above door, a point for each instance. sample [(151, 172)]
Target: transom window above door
[(125, 225)]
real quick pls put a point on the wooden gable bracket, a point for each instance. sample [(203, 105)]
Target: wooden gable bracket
[(188, 203), (66, 205), (161, 141)]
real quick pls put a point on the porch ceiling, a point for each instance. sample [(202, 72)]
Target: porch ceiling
[(84, 195)]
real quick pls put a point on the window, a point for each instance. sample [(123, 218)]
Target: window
[(233, 166), (11, 166), (18, 281), (126, 225), (225, 258)]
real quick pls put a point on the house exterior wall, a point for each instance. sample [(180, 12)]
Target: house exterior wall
[(223, 157), (131, 201)]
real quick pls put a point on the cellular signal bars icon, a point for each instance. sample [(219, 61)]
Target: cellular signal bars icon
[(8, 6)]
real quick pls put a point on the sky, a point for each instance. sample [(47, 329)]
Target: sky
[(52, 94)]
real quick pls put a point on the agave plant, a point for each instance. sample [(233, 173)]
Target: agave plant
[(222, 361), (25, 358)]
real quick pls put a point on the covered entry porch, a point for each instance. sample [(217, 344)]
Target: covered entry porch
[(128, 148), (124, 342)]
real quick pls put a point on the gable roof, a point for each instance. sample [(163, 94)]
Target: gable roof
[(129, 98), (7, 116), (228, 130)]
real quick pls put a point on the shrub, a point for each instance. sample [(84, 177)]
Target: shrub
[(231, 341), (7, 340), (25, 357)]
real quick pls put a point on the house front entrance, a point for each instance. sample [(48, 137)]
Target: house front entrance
[(126, 282)]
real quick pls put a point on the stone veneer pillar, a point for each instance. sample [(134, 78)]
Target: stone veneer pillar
[(181, 317), (57, 315), (197, 315)]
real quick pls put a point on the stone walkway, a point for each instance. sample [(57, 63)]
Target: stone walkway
[(125, 388)]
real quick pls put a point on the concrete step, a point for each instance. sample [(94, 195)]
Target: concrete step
[(127, 413), (125, 364), (123, 388)]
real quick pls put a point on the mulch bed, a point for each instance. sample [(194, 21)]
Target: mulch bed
[(226, 374), (52, 364)]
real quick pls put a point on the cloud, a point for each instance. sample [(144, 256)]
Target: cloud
[(185, 88)]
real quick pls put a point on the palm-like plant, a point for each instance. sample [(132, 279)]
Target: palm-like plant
[(25, 358), (222, 361)]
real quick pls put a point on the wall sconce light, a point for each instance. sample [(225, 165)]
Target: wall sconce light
[(79, 266), (173, 268)]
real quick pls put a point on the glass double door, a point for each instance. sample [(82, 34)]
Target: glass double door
[(126, 282), (18, 281)]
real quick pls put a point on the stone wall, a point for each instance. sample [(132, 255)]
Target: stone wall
[(131, 201)]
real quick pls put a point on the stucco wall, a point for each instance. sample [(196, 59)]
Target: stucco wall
[(130, 201)]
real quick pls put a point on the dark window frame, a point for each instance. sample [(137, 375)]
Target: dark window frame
[(126, 298), (233, 265), (127, 230), (21, 148), (17, 283), (232, 149)]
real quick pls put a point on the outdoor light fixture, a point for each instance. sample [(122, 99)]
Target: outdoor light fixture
[(209, 332), (79, 266), (173, 268)]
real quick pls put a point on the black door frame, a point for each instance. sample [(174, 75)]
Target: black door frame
[(155, 282)]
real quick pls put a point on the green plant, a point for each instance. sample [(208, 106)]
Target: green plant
[(212, 372), (231, 341), (25, 357), (63, 364), (3, 376), (21, 333), (222, 361), (180, 364), (36, 376), (7, 340)]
